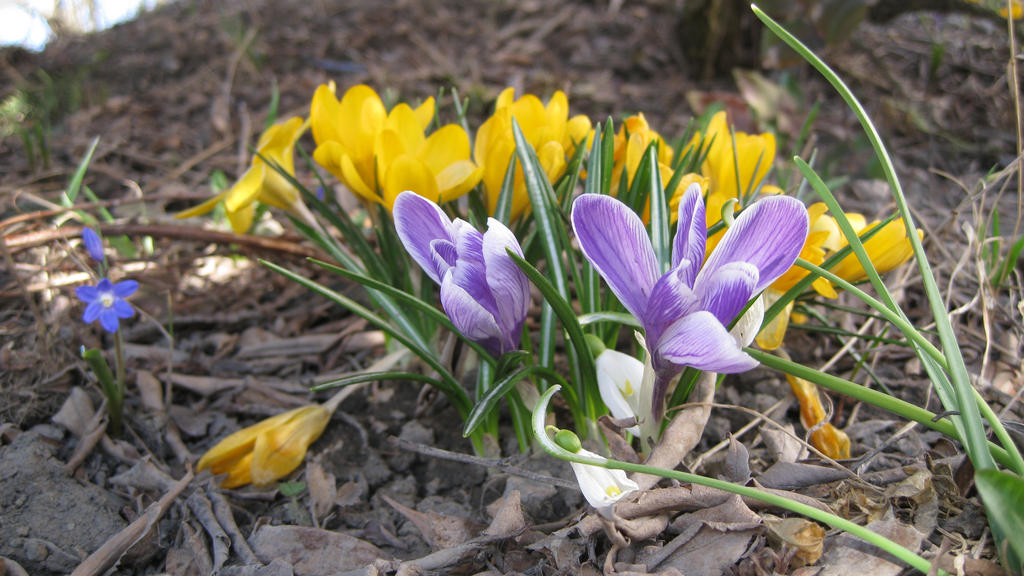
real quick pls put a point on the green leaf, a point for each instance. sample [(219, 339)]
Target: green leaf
[(1003, 496), (500, 389), (562, 309), (374, 376), (448, 384), (68, 200), (402, 297)]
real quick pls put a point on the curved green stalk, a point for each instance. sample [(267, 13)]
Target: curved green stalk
[(884, 401), (969, 418), (541, 435), (892, 316)]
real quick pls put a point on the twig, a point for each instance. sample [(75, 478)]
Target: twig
[(502, 464), (110, 553), (28, 240)]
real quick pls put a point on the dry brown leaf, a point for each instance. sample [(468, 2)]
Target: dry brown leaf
[(151, 392), (312, 551), (322, 489), (508, 517), (438, 530), (806, 537), (76, 412), (847, 554)]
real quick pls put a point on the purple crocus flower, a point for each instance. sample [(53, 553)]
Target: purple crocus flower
[(685, 312), (106, 301), (484, 293), (93, 244)]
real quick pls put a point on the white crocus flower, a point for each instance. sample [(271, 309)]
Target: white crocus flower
[(749, 324), (619, 379), (600, 486)]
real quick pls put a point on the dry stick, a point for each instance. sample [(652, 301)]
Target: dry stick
[(28, 240), (746, 428), (503, 464), (222, 512), (57, 211), (110, 553), (203, 511)]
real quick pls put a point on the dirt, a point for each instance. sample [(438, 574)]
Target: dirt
[(179, 93)]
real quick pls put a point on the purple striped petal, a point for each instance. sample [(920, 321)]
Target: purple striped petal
[(769, 235), (419, 222), (506, 281), (726, 292), (692, 233), (125, 288), (614, 240), (671, 299), (470, 317), (700, 340)]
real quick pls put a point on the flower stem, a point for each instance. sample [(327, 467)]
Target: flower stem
[(115, 404)]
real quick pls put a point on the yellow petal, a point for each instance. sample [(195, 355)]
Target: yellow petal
[(241, 219), (403, 121), (773, 333), (245, 191), (239, 472), (325, 116), (425, 113), (505, 99), (388, 148), (329, 156), (832, 442), (351, 177), (362, 115), (578, 131), (239, 443), (444, 147), (202, 208), (552, 159), (458, 179), (887, 249), (408, 173), (279, 450)]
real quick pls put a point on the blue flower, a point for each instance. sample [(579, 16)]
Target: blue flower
[(93, 244), (685, 311), (484, 293), (106, 301)]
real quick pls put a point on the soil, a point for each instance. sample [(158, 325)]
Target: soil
[(178, 95)]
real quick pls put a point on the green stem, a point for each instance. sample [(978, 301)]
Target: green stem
[(117, 404), (962, 398), (892, 316), (884, 401), (811, 512)]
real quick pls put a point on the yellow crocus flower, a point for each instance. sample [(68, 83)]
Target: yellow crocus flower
[(260, 183), (268, 450), (548, 128), (832, 442), (752, 154), (379, 154)]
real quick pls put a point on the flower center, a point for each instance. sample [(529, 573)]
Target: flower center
[(107, 299), (613, 491), (627, 389)]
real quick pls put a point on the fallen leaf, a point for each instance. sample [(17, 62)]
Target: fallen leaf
[(847, 554), (312, 551), (799, 533), (439, 530)]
